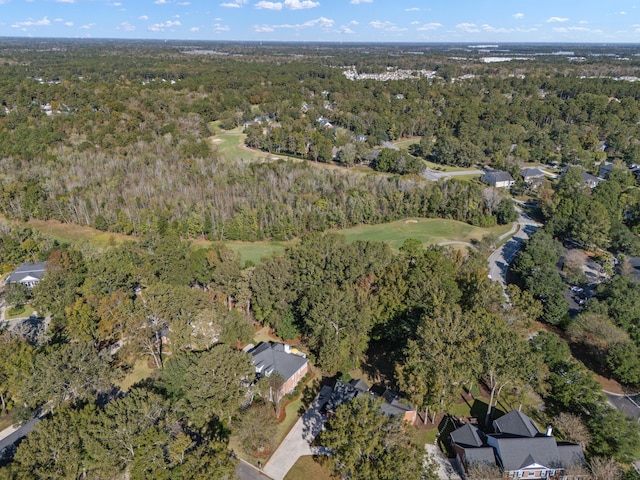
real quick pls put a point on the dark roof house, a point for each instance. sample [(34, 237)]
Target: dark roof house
[(518, 448), (530, 174), (28, 274), (270, 358)]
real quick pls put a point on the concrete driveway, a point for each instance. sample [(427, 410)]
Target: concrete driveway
[(298, 441)]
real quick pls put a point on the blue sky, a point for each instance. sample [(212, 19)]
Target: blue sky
[(328, 20)]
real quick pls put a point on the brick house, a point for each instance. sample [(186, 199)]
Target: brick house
[(272, 357)]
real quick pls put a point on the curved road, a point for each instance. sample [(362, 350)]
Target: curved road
[(502, 257)]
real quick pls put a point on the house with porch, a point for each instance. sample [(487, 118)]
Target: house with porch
[(519, 449), (28, 274)]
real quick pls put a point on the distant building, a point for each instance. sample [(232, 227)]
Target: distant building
[(270, 358), (28, 274), (498, 179)]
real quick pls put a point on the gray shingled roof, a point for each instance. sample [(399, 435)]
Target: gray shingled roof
[(516, 423), (484, 455), (496, 176), (519, 452), (272, 357), (570, 454), (530, 172), (35, 270), (342, 392), (393, 405), (467, 435)]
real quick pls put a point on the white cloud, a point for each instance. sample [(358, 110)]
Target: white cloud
[(44, 22), (468, 27), (518, 16), (488, 28), (160, 27), (221, 28), (300, 4), (66, 1), (126, 26), (358, 2), (234, 4), (194, 29), (345, 30), (386, 26), (583, 22), (622, 13), (87, 26), (321, 22), (414, 9), (143, 17), (354, 22), (429, 26), (160, 2), (183, 4), (557, 19), (377, 24), (264, 5), (68, 24), (57, 20), (263, 29)]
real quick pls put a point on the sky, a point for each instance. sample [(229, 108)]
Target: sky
[(472, 21)]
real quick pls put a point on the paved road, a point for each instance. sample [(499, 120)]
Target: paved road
[(435, 176), (11, 435), (298, 441), (246, 471), (502, 257)]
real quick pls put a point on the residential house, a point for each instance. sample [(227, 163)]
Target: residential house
[(392, 405), (589, 180), (498, 179), (28, 274), (271, 357), (605, 170), (531, 175), (519, 449)]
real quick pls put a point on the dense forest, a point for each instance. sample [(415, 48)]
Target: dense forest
[(120, 136), (95, 139)]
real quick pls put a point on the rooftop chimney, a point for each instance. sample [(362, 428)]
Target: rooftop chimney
[(549, 431)]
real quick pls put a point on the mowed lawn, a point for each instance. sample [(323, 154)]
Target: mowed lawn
[(428, 231)]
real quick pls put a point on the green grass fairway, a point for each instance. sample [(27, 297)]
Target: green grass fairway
[(255, 252), (428, 231), (230, 145)]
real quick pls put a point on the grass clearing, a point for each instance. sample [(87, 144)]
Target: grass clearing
[(444, 168), (254, 252), (140, 371), (428, 231), (307, 468), (23, 311), (72, 233)]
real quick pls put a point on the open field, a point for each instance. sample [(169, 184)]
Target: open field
[(428, 231), (230, 145), (72, 233), (254, 252)]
